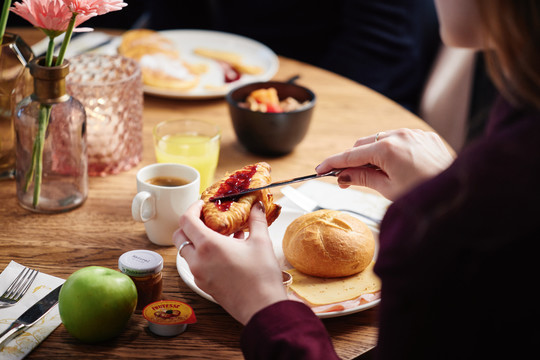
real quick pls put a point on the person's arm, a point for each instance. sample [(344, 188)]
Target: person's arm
[(286, 330), (404, 158)]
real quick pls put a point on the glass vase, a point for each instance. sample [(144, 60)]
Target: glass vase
[(56, 178), (15, 84), (110, 88)]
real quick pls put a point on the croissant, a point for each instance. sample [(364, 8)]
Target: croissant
[(230, 216)]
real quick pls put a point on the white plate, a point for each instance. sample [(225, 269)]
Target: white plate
[(252, 52), (276, 230)]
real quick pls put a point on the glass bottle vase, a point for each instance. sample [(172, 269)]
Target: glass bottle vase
[(56, 179), (15, 84)]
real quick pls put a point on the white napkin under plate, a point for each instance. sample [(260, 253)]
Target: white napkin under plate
[(333, 197), (21, 346)]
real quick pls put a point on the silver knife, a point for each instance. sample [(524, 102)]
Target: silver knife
[(30, 316), (235, 195), (335, 172)]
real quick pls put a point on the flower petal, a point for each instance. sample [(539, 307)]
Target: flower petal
[(94, 7)]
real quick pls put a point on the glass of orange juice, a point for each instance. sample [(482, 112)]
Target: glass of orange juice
[(189, 142)]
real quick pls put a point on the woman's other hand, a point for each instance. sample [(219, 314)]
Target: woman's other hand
[(404, 158), (242, 275)]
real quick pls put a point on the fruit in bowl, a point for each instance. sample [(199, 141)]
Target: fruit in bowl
[(271, 118), (267, 100)]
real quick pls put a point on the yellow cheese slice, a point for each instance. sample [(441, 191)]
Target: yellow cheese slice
[(323, 291)]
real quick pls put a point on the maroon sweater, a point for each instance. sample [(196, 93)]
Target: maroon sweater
[(458, 259), (286, 330)]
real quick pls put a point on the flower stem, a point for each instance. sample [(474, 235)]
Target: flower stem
[(50, 52), (67, 38), (4, 19), (30, 172), (36, 148), (44, 115)]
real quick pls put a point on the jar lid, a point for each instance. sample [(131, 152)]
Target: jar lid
[(140, 263)]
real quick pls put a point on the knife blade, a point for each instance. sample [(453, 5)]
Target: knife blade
[(30, 316), (335, 172), (299, 199), (309, 205), (235, 195)]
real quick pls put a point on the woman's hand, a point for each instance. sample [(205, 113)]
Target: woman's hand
[(404, 157), (242, 275)]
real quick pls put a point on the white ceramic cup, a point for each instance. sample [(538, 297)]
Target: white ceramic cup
[(160, 207)]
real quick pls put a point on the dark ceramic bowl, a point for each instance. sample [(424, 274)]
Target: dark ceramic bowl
[(271, 134)]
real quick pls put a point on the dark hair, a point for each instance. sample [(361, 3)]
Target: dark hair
[(512, 33)]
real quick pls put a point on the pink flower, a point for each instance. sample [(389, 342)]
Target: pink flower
[(94, 7), (52, 16)]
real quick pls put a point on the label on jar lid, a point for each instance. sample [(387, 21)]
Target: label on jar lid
[(169, 312), (140, 263)]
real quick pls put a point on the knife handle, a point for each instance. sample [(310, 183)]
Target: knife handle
[(11, 332)]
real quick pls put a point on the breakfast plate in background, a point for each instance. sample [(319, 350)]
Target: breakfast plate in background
[(212, 82), (276, 230)]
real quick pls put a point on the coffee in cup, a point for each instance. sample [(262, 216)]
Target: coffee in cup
[(165, 191), (169, 181)]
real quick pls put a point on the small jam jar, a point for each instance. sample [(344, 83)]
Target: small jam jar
[(144, 268)]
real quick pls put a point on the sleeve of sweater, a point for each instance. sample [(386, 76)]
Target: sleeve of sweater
[(286, 330)]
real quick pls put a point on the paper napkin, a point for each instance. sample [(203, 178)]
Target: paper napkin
[(19, 347)]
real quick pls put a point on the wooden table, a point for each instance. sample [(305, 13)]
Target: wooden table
[(102, 229)]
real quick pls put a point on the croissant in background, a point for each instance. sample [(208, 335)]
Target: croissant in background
[(228, 217)]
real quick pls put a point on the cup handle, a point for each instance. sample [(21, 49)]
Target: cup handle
[(143, 207)]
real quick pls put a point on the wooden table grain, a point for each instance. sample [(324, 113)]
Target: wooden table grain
[(102, 229)]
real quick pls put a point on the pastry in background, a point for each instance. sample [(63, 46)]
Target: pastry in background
[(161, 63), (140, 42), (165, 72), (234, 59)]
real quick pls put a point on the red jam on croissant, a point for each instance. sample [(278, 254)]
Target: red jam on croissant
[(228, 217)]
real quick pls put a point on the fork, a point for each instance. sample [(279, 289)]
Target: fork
[(18, 288)]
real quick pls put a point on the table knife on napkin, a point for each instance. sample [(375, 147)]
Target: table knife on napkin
[(309, 205), (30, 316)]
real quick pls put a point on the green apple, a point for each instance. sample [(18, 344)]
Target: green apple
[(96, 303)]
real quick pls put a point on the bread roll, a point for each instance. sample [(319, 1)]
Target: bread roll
[(328, 243)]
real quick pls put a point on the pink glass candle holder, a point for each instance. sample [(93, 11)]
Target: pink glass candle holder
[(110, 88)]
